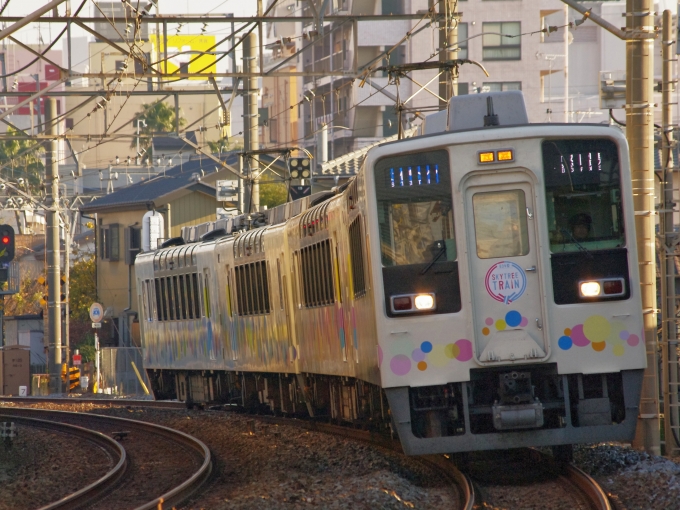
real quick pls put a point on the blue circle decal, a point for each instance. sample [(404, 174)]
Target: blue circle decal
[(426, 347), (513, 318), (565, 343)]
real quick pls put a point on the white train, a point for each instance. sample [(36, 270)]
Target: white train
[(474, 287)]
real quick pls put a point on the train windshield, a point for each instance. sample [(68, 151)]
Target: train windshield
[(415, 209), (583, 194)]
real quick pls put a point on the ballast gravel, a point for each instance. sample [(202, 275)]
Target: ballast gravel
[(264, 466), (634, 480)]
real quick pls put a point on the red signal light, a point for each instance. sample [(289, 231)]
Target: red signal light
[(5, 239)]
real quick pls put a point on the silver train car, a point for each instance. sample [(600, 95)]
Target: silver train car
[(472, 288)]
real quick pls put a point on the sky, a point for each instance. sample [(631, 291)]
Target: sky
[(30, 34)]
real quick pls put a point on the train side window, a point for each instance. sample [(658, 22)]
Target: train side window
[(183, 296), (278, 273), (190, 293), (196, 295), (356, 255), (176, 296), (316, 269), (229, 309), (415, 209), (171, 299), (164, 299), (206, 293), (583, 194), (264, 266), (500, 224), (296, 271)]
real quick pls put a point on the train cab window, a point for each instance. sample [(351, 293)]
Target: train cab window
[(500, 224), (583, 195), (415, 209)]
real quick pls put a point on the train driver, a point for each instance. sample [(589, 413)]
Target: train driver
[(580, 226)]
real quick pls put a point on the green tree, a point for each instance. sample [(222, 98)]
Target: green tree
[(159, 118), (273, 192), (83, 288), (225, 145), (27, 300), (20, 160)]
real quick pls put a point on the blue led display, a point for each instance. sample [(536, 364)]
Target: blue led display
[(414, 176)]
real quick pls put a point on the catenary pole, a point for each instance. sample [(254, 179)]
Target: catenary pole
[(250, 127), (669, 322), (52, 248)]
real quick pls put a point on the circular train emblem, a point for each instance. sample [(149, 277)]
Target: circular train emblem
[(505, 282)]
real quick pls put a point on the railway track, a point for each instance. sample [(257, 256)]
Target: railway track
[(535, 479), (155, 458), (119, 402), (97, 490)]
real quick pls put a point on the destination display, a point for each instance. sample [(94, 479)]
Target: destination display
[(402, 177)]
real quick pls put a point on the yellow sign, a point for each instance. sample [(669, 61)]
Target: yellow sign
[(184, 51)]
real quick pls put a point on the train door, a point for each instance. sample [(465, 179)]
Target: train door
[(508, 312)]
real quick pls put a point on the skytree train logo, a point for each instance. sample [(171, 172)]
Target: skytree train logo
[(505, 282)]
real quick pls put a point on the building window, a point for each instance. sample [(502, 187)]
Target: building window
[(133, 244), (462, 37), (109, 242), (502, 41), (501, 86)]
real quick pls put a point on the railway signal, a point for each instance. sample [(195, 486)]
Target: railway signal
[(6, 243), (300, 168)]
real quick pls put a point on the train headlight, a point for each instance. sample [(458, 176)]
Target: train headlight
[(410, 303), (590, 289), (424, 301)]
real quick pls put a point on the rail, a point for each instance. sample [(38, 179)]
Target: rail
[(597, 497), (97, 489), (173, 497)]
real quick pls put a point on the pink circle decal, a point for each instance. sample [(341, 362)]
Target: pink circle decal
[(633, 340), (578, 337), (418, 355), (380, 356), (489, 321), (465, 347), (400, 365), (524, 322)]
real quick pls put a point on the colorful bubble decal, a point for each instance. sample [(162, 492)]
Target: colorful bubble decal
[(512, 319), (598, 332), (426, 355)]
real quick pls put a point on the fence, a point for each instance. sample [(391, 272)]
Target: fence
[(117, 372)]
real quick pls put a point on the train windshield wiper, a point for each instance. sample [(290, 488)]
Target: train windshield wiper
[(581, 248), (440, 246)]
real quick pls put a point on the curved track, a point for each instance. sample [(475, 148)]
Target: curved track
[(185, 443), (534, 478), (98, 489)]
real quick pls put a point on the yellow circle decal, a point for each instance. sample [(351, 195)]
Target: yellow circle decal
[(452, 351), (500, 324), (618, 349), (438, 357), (596, 328)]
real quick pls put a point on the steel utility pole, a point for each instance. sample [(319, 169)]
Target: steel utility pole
[(640, 134), (639, 35), (448, 38), (669, 343), (250, 127), (52, 247)]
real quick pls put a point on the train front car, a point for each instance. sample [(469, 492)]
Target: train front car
[(508, 303)]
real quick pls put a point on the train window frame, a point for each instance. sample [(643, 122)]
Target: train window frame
[(494, 249), (187, 283), (278, 274), (317, 274), (432, 195), (599, 215)]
